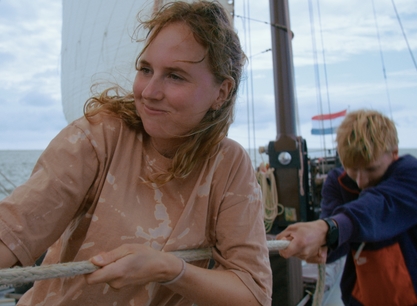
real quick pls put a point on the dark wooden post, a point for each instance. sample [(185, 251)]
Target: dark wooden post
[(286, 156)]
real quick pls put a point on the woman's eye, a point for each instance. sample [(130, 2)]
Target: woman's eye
[(175, 77), (144, 70)]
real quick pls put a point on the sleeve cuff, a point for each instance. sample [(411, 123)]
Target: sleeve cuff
[(345, 227)]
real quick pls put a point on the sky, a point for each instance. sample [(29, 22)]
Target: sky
[(341, 68)]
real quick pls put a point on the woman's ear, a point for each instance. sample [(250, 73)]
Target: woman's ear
[(224, 93)]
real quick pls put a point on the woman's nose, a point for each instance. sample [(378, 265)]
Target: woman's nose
[(153, 89)]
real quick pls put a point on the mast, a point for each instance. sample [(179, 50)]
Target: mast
[(287, 154), (287, 157), (283, 73)]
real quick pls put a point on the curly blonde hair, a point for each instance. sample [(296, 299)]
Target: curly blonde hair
[(363, 136), (212, 28)]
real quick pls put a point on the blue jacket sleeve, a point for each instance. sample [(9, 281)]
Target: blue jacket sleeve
[(384, 211), (332, 197)]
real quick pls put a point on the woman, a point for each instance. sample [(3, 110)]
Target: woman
[(148, 173)]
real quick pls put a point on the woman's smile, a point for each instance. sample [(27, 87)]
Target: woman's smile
[(151, 111), (174, 86)]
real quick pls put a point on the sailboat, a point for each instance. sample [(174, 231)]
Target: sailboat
[(97, 45)]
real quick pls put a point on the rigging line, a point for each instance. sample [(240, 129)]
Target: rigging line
[(248, 109), (268, 23), (287, 24), (325, 67), (382, 60), (405, 36), (247, 85), (317, 74), (251, 87), (267, 50), (5, 177), (297, 113), (4, 190)]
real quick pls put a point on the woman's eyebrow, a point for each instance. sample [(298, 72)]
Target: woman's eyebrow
[(142, 61), (173, 68)]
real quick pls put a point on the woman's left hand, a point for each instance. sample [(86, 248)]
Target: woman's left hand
[(134, 264)]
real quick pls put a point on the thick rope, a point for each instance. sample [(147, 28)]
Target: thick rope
[(29, 274), (23, 275), (320, 284)]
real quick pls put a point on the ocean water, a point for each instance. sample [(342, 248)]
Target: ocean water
[(15, 168), (17, 165)]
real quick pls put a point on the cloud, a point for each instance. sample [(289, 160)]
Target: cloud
[(35, 98), (6, 58), (347, 73), (344, 30), (31, 111), (30, 31)]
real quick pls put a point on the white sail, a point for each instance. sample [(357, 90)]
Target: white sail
[(97, 46)]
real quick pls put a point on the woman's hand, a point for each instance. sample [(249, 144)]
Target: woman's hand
[(134, 264), (307, 241)]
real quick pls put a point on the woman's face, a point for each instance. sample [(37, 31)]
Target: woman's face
[(174, 87)]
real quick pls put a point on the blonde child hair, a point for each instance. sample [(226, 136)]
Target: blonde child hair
[(363, 136)]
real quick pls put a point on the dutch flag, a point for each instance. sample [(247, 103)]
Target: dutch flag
[(328, 123)]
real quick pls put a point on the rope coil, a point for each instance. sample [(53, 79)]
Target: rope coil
[(272, 208)]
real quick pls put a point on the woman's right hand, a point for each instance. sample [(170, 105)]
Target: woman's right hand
[(134, 264)]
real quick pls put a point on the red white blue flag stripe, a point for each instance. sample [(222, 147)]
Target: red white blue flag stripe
[(327, 123)]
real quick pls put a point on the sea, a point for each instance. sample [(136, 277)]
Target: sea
[(17, 165), (15, 168)]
